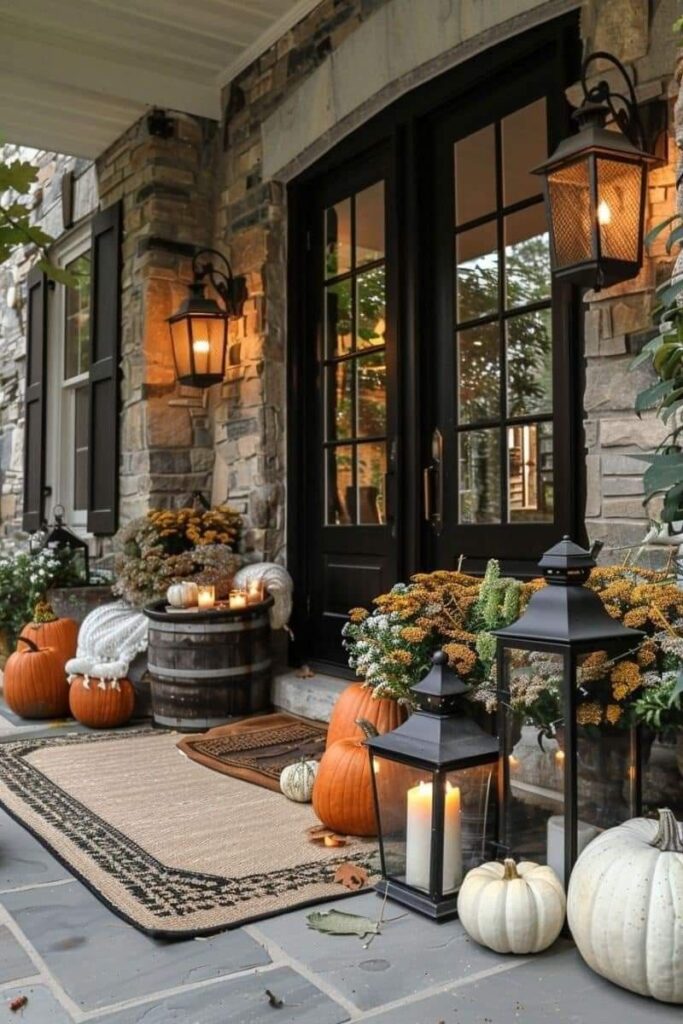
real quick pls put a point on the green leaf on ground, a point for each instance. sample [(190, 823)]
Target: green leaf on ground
[(338, 922)]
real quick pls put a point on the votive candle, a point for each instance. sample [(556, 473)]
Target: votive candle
[(206, 596), (238, 599), (254, 592)]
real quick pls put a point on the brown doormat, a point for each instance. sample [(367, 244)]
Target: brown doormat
[(257, 749), (173, 849)]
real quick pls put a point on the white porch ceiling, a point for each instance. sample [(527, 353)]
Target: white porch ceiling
[(75, 74)]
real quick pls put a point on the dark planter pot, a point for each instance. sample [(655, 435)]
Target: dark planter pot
[(77, 602)]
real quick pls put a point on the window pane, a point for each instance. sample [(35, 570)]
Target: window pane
[(371, 381), (478, 374), (370, 224), (525, 146), (370, 298), (77, 319), (80, 496), (338, 238), (529, 363), (340, 504), (372, 467), (338, 338), (477, 272), (530, 473), (475, 175), (340, 400), (479, 477), (527, 257)]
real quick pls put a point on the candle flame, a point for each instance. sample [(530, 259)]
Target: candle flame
[(559, 756), (201, 346), (513, 761), (604, 212)]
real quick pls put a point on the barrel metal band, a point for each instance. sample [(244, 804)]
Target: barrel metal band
[(208, 673), (208, 627)]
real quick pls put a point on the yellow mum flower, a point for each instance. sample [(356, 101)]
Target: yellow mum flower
[(461, 658), (613, 713), (358, 615), (413, 634), (636, 617), (589, 714)]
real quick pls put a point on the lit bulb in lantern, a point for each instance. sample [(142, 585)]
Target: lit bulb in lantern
[(604, 212), (201, 346)]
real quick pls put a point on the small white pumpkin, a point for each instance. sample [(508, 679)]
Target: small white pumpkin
[(296, 780), (182, 595), (625, 906), (512, 908)]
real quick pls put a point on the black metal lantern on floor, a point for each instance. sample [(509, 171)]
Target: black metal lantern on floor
[(71, 548), (199, 328), (560, 786), (434, 782), (595, 187)]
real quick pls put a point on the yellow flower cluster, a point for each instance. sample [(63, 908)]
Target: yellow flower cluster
[(358, 615), (461, 658), (625, 678), (219, 525), (589, 713), (613, 713), (413, 634)]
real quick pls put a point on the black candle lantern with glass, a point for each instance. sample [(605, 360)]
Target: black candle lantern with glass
[(71, 548), (595, 187), (562, 784), (434, 782)]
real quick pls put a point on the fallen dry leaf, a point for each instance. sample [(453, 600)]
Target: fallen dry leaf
[(18, 1003), (325, 836), (352, 876)]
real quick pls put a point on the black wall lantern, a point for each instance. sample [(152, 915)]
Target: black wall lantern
[(555, 795), (62, 541), (199, 329), (434, 781), (595, 187)]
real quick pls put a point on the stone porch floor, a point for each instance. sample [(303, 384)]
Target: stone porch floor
[(77, 962)]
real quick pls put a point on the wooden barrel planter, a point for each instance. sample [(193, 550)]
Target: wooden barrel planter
[(207, 667)]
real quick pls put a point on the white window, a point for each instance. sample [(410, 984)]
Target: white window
[(67, 436)]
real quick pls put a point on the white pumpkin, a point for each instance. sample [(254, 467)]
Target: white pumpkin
[(512, 908), (625, 906), (182, 595), (296, 780)]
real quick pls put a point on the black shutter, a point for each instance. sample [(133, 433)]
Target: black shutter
[(34, 410), (105, 309)]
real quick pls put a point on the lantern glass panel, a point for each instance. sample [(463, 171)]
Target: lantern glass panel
[(534, 756), (619, 186), (199, 345), (406, 817), (570, 208)]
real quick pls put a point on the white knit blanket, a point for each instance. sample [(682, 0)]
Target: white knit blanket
[(277, 582), (108, 640)]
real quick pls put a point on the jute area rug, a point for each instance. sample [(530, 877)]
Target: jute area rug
[(175, 850), (257, 749)]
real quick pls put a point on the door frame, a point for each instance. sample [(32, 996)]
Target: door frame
[(404, 128)]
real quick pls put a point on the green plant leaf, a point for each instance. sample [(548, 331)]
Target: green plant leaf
[(58, 274), (656, 231), (19, 176), (675, 236), (664, 471), (338, 922), (651, 396)]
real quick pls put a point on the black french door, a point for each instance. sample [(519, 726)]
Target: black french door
[(500, 477), (350, 449)]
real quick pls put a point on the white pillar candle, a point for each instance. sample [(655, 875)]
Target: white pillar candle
[(206, 597), (419, 837), (255, 592), (555, 858)]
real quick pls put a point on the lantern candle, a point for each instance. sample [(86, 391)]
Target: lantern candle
[(419, 837), (238, 600), (254, 592), (555, 841), (206, 597)]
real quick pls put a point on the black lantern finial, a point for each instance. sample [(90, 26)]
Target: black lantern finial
[(199, 328), (595, 185)]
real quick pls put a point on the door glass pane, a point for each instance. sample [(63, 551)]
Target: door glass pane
[(478, 374), (80, 495), (371, 379), (527, 257), (475, 175), (370, 224), (338, 337), (479, 478), (477, 272), (371, 300), (529, 363), (338, 239), (340, 400), (372, 467), (340, 498), (524, 138), (77, 319), (530, 473)]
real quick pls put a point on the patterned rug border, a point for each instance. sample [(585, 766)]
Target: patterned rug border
[(41, 741)]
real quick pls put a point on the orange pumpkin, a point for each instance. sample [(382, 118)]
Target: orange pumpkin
[(342, 792), (357, 702), (47, 630), (100, 704), (35, 685)]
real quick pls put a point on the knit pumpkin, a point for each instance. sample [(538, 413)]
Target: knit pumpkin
[(357, 702), (35, 685), (101, 704), (342, 793), (47, 630)]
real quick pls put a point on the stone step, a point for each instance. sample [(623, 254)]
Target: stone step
[(312, 697)]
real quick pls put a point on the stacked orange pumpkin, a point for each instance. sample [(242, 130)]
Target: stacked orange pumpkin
[(35, 683), (342, 794)]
